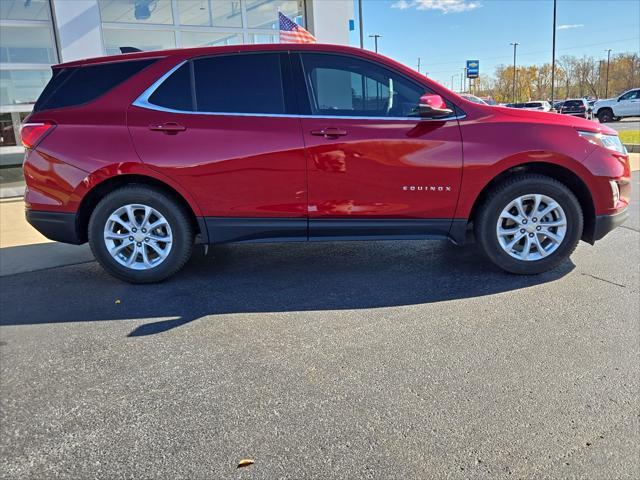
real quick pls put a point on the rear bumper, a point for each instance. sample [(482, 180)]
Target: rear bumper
[(57, 226), (605, 223)]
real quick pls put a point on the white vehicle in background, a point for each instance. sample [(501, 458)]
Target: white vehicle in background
[(612, 109), (473, 98), (540, 105)]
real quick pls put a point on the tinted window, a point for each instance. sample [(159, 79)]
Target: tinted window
[(632, 95), (533, 104), (573, 103), (346, 86), (175, 91), (250, 83), (78, 85)]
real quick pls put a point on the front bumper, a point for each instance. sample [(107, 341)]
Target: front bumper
[(57, 226), (604, 224)]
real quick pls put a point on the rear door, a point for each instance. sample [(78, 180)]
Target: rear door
[(371, 165), (223, 128)]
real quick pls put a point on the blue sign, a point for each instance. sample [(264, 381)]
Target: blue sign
[(352, 25), (473, 68)]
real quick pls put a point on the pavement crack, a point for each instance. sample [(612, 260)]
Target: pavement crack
[(630, 228), (604, 280)]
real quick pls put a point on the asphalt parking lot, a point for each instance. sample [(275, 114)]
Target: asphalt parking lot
[(625, 124), (345, 360)]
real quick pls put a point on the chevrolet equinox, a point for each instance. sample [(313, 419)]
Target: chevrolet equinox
[(146, 154)]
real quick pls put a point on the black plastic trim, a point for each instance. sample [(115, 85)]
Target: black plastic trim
[(252, 230), (238, 230), (57, 226), (378, 229), (604, 224)]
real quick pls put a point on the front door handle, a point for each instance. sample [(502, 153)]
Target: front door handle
[(170, 128), (329, 132)]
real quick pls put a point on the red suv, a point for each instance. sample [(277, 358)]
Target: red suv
[(146, 154)]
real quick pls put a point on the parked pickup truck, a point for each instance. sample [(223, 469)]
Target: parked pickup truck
[(613, 109)]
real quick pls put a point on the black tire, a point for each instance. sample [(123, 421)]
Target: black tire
[(489, 212), (173, 212), (605, 115)]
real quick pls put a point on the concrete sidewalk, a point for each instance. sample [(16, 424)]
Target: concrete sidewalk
[(23, 249)]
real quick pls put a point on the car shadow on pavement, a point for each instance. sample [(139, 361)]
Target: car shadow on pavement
[(262, 278)]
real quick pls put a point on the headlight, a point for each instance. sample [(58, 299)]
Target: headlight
[(612, 142)]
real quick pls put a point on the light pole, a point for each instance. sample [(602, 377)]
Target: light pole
[(418, 64), (515, 46), (453, 88), (360, 24), (606, 80), (553, 54), (375, 39)]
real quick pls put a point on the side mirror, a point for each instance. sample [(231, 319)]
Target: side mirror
[(433, 106)]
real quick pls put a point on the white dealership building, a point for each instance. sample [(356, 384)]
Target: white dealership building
[(34, 34)]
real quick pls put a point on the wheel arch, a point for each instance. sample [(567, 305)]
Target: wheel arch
[(564, 175), (93, 196)]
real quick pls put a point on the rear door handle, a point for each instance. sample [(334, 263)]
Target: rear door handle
[(170, 128), (329, 132)]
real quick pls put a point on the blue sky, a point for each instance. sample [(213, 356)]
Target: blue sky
[(445, 33)]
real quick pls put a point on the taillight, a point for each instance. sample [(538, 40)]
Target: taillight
[(32, 133)]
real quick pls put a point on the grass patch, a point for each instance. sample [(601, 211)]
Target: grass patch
[(630, 136)]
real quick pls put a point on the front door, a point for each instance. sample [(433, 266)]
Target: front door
[(233, 141), (629, 104), (371, 165)]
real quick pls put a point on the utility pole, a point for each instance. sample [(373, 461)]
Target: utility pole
[(553, 54), (515, 46), (606, 81), (418, 64), (375, 39), (360, 24)]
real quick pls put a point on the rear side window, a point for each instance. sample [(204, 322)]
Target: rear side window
[(78, 85), (573, 103), (175, 91), (250, 83)]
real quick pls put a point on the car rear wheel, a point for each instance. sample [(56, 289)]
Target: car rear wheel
[(605, 115), (529, 224), (140, 235)]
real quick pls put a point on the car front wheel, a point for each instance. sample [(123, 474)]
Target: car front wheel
[(605, 116), (529, 224), (140, 234)]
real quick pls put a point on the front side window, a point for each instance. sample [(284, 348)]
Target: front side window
[(632, 95), (250, 83), (347, 86)]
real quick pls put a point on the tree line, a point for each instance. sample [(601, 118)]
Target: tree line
[(575, 77)]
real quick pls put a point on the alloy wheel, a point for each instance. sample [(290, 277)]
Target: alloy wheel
[(138, 236), (531, 227)]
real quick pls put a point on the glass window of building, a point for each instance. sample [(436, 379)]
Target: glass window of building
[(261, 14), (114, 38), (211, 13), (210, 39), (21, 10), (22, 87), (27, 44), (27, 50), (144, 11)]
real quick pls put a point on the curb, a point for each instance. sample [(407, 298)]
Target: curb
[(632, 147)]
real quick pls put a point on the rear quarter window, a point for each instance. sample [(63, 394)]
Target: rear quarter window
[(78, 85)]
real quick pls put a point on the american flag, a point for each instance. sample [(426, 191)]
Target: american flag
[(291, 32)]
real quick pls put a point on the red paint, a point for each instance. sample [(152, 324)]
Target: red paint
[(251, 166)]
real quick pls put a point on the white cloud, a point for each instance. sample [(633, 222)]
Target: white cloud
[(569, 26), (401, 4), (445, 6)]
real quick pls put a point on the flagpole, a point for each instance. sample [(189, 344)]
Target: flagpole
[(360, 23)]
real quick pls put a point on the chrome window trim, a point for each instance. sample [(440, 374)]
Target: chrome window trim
[(143, 102)]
